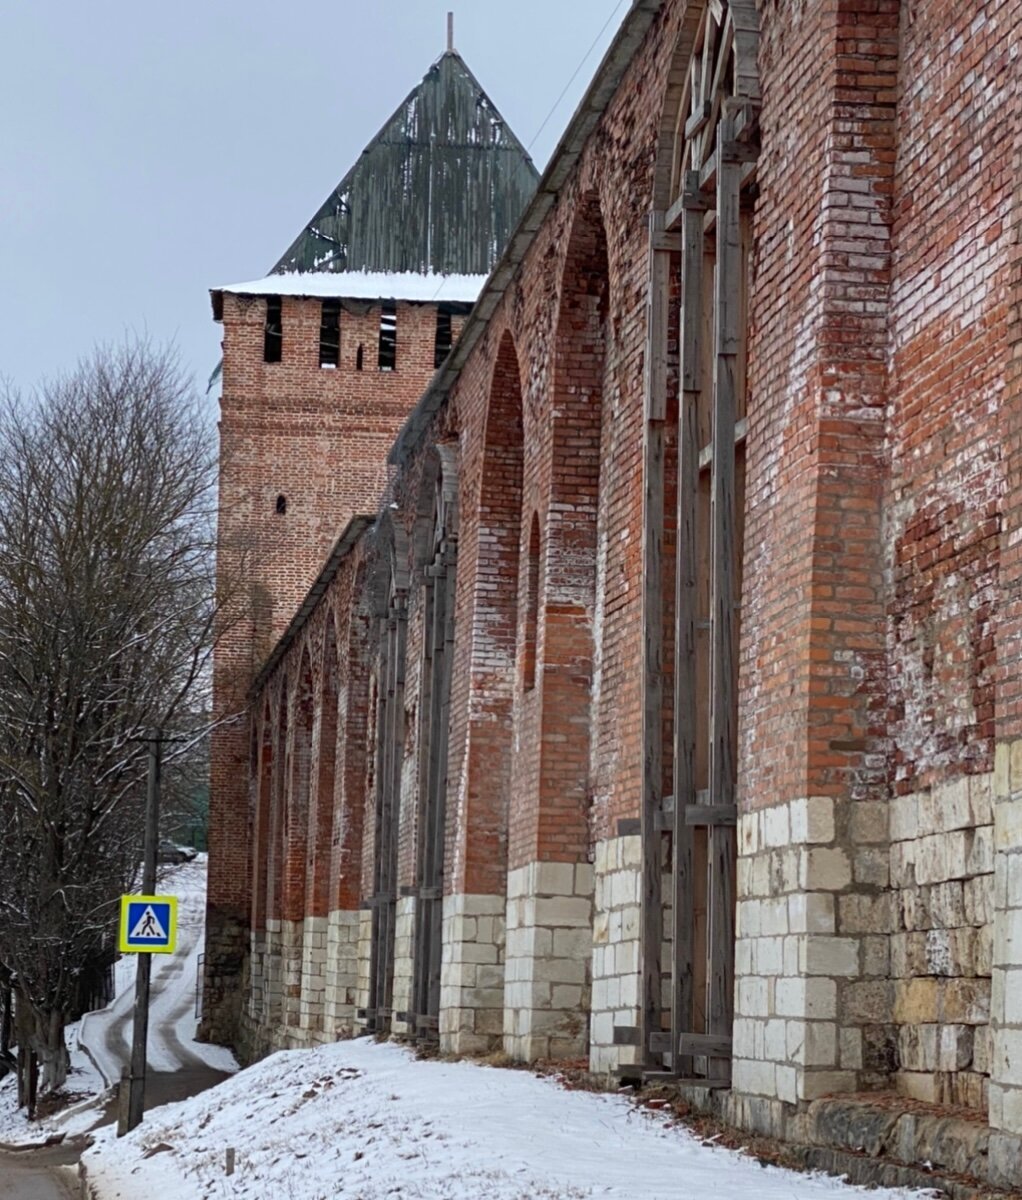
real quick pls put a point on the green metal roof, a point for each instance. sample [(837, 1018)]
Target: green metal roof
[(439, 189)]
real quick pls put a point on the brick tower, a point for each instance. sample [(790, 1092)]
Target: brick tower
[(322, 362)]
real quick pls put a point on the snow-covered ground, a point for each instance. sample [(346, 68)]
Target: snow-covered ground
[(101, 1042), (363, 1121)]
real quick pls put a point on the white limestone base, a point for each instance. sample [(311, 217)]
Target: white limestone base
[(273, 975), (313, 985), (472, 974), (615, 950), (256, 974), (341, 974), (364, 963), (1006, 983), (549, 954), (404, 966), (292, 941)]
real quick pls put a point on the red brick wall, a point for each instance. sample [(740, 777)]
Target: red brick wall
[(319, 438), (954, 196)]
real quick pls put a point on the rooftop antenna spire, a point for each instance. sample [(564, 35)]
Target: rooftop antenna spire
[(450, 33)]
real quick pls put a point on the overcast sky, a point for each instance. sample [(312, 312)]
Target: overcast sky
[(151, 150)]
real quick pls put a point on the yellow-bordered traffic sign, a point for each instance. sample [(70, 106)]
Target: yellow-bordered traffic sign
[(148, 925)]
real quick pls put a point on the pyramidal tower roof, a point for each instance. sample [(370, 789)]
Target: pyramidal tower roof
[(439, 190)]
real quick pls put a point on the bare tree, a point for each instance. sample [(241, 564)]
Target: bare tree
[(107, 618)]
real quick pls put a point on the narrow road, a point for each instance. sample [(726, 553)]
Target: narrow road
[(178, 1066), (30, 1175)]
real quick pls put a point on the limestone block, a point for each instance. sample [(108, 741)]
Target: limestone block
[(825, 870), (965, 1001), (748, 1075), (904, 818), (811, 912), (812, 820), (1007, 1057), (554, 879), (978, 896), (773, 917), (1008, 824), (946, 807), (787, 1084), (1008, 938), (1002, 770), (775, 1045), (583, 882), (869, 822), (867, 1002), (980, 856), (981, 798), (748, 834), (753, 997), (814, 1084), (871, 866), (776, 826), (850, 1049), (768, 956), (824, 955), (813, 998), (916, 1001), (864, 913)]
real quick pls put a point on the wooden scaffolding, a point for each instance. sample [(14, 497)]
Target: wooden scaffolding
[(699, 256)]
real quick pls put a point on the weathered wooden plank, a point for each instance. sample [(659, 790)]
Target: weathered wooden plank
[(651, 911), (685, 698), (721, 839), (711, 814), (703, 1044)]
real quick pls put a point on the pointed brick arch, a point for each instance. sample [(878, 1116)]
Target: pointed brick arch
[(565, 654), (296, 837)]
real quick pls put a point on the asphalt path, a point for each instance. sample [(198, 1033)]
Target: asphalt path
[(31, 1174)]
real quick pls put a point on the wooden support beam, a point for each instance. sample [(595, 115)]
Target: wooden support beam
[(683, 933), (711, 815), (651, 910), (723, 649), (701, 1044)]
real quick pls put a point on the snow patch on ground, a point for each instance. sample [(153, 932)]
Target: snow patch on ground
[(363, 1121)]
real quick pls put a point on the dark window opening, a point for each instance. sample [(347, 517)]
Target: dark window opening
[(330, 334), (273, 337), (444, 336), (387, 359), (281, 505), (360, 357), (531, 606)]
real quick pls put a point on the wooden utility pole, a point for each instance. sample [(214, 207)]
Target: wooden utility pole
[(134, 1078)]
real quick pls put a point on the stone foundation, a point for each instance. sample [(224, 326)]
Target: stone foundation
[(341, 973), (1006, 997), (313, 986), (549, 955), (404, 965), (941, 868), (615, 951), (472, 974)]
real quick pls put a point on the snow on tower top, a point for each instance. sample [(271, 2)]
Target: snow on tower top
[(438, 191)]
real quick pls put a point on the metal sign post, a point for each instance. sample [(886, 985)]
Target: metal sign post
[(131, 1112)]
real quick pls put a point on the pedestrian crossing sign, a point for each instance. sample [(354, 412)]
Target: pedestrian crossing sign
[(148, 925)]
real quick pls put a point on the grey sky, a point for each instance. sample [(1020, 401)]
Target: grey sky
[(149, 151)]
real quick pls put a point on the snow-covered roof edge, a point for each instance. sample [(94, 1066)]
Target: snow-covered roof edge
[(365, 285)]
